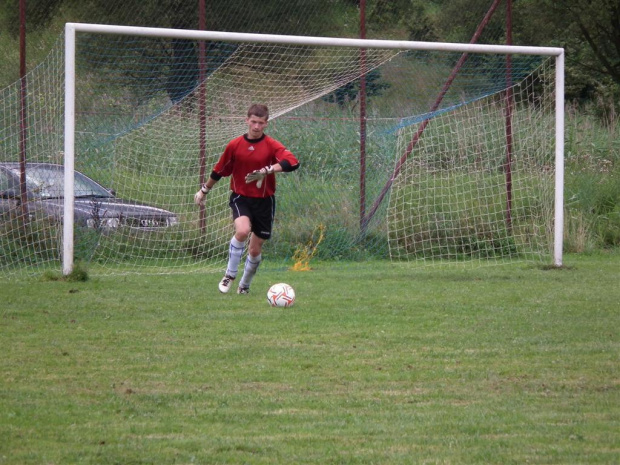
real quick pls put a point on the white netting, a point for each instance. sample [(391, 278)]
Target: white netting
[(30, 239), (139, 105), (464, 195)]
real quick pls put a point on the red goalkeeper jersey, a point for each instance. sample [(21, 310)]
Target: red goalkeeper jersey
[(243, 155)]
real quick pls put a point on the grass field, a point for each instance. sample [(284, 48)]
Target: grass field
[(375, 363)]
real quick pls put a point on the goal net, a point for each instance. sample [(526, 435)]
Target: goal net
[(458, 159)]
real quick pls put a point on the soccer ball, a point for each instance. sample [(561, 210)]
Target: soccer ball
[(281, 295)]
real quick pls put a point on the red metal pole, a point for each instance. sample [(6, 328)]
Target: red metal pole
[(362, 118), (202, 25), (23, 123), (433, 108), (509, 107)]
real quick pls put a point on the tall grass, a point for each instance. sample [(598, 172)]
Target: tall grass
[(162, 152), (329, 178), (592, 192)]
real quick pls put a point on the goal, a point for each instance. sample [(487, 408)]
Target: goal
[(463, 161)]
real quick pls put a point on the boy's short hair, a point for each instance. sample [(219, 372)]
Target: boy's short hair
[(259, 110)]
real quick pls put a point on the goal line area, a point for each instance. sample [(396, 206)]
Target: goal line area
[(457, 157)]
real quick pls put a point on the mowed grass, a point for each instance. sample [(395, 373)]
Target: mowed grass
[(375, 363)]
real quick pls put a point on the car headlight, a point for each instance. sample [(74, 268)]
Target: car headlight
[(111, 222), (172, 221), (107, 223)]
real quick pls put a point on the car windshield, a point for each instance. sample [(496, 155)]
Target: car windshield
[(46, 183)]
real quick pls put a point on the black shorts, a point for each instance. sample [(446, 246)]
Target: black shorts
[(261, 212)]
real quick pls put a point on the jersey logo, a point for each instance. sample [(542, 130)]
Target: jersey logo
[(251, 148)]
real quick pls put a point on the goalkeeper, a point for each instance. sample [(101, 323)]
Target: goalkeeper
[(251, 161)]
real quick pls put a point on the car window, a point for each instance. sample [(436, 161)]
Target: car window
[(45, 183), (84, 186), (5, 182), (50, 183)]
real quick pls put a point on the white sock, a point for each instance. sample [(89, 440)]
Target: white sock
[(249, 270), (235, 251)]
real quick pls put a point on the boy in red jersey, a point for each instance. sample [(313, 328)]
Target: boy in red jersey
[(251, 161)]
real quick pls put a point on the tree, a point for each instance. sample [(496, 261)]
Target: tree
[(393, 17), (350, 91), (589, 30), (39, 13)]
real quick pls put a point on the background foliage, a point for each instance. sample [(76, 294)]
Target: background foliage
[(589, 30)]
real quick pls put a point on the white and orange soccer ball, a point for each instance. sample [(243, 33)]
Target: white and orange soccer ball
[(281, 295)]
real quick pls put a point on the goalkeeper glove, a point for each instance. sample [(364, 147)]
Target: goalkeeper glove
[(258, 175), (199, 197)]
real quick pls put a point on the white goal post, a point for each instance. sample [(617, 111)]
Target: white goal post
[(73, 29)]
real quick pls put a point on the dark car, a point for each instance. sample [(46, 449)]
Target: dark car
[(95, 206)]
